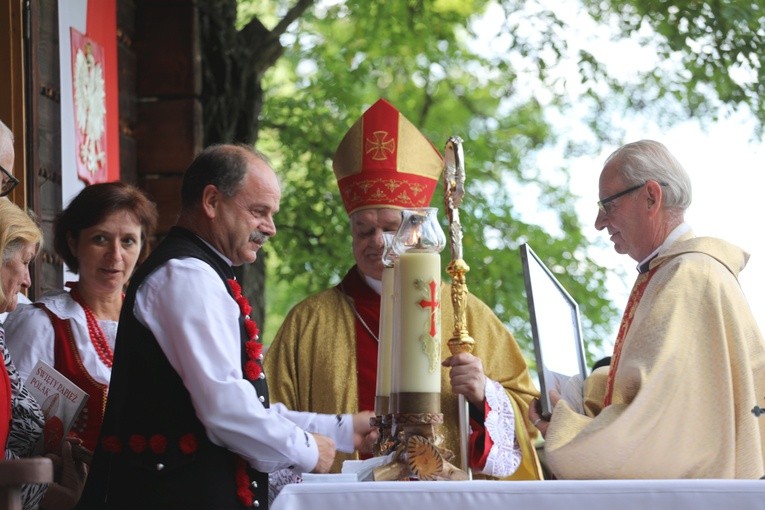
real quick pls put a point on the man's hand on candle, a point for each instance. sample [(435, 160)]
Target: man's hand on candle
[(467, 377), (364, 434), (327, 453)]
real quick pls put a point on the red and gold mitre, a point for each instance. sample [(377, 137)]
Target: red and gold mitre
[(384, 161)]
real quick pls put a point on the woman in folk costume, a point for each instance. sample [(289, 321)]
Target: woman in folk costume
[(101, 236), (324, 356)]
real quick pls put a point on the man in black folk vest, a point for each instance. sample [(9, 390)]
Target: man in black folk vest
[(188, 423)]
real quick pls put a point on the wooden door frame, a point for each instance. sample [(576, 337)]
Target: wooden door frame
[(12, 87)]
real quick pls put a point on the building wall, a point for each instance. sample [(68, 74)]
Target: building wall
[(168, 87), (152, 84)]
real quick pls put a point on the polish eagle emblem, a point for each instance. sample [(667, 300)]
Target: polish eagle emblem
[(90, 110)]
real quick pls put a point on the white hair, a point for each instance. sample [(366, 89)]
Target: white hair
[(650, 160)]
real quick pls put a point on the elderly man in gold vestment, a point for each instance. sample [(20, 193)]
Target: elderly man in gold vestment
[(689, 361), (324, 356)]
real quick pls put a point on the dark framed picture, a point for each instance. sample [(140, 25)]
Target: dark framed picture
[(555, 327)]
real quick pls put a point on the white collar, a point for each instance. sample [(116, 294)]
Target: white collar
[(376, 285), (226, 259)]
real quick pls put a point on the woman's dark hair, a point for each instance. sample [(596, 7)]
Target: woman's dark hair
[(92, 205)]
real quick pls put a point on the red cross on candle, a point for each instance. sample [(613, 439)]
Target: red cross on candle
[(433, 304)]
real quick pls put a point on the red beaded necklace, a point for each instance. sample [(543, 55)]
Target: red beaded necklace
[(97, 337)]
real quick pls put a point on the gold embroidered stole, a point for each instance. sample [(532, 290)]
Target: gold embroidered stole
[(629, 313)]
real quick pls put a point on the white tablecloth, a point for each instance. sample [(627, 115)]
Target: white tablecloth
[(541, 495)]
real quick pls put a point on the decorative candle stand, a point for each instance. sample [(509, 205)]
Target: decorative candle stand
[(415, 386), (417, 454), (415, 443)]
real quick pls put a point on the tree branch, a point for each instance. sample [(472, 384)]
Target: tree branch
[(294, 13), (256, 40)]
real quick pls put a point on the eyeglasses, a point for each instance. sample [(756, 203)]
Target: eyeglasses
[(602, 203), (9, 182)]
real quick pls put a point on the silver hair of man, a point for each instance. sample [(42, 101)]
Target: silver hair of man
[(646, 160)]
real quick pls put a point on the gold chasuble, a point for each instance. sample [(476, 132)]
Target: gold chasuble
[(321, 361), (689, 366)]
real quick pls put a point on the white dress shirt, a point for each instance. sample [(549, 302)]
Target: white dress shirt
[(196, 323)]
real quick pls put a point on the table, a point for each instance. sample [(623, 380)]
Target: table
[(538, 495)]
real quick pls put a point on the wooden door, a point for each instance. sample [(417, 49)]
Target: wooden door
[(43, 169)]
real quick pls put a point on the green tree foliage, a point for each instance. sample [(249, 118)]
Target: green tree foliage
[(339, 60), (711, 53), (320, 64)]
